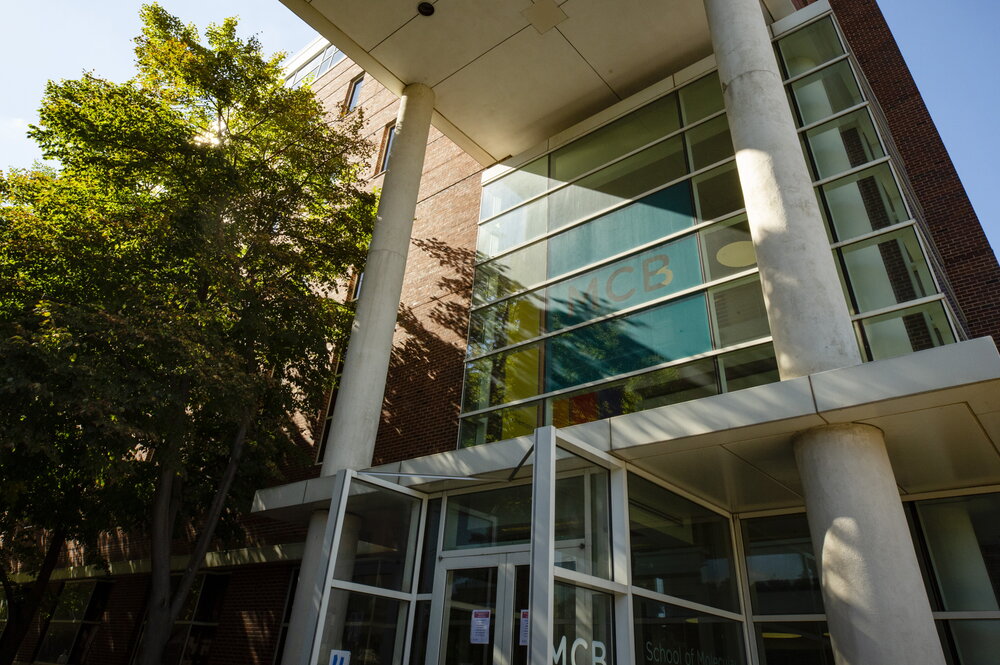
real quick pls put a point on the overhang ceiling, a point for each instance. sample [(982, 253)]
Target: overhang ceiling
[(510, 73)]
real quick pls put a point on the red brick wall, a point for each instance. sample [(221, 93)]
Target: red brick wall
[(252, 611), (120, 623), (969, 262)]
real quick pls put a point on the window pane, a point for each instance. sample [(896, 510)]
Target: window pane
[(679, 548), (514, 272), (676, 330), (379, 536), (519, 185), (370, 627), (657, 215), (887, 270), (864, 202), (747, 368), (654, 273), (499, 425), (73, 600), (963, 538), (633, 131), (421, 632), (582, 501), (728, 248), (843, 144), (908, 330), (58, 643), (709, 142), (826, 92), (618, 182), (670, 385), (701, 98), (738, 313), (798, 642), (583, 624), (977, 642), (717, 192), (512, 228), (781, 566), (667, 635), (428, 554), (502, 378), (810, 47), (496, 326)]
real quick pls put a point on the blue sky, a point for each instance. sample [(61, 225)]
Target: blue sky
[(951, 48)]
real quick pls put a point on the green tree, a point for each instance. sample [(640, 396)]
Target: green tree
[(163, 302)]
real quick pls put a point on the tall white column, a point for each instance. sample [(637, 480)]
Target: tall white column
[(358, 410), (809, 319), (876, 603)]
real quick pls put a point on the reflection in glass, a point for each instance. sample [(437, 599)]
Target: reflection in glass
[(667, 634), (428, 554), (421, 632), (512, 228), (781, 566), (750, 367), (908, 330), (701, 98), (709, 143), (378, 538), (738, 312), (501, 378), (975, 642), (584, 500), (728, 248), (864, 202), (508, 322), (826, 92), (519, 185), (498, 425), (370, 627), (717, 192), (794, 643), (508, 274), (843, 144), (582, 626), (887, 270), (809, 47), (679, 548), (470, 594)]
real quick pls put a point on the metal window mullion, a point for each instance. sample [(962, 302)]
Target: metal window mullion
[(332, 535), (743, 588), (543, 501)]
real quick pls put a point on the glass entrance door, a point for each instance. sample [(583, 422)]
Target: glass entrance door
[(483, 604)]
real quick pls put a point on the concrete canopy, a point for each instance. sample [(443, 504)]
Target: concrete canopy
[(509, 74)]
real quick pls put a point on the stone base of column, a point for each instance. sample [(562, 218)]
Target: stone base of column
[(876, 603)]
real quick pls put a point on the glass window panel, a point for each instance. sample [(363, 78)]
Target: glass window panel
[(887, 270), (372, 628), (631, 281), (709, 143), (976, 642), (582, 500), (738, 313), (654, 216), (701, 98), (676, 330), (679, 548), (670, 385), (421, 632), (747, 368), (826, 92), (519, 185), (963, 538), (843, 144), (502, 378), (864, 202), (469, 591), (60, 637), (618, 182), (213, 592), (378, 539), (635, 130), (508, 274), (582, 626), (908, 330), (810, 47), (670, 635), (73, 599), (781, 566), (501, 324), (499, 425), (428, 554), (727, 248), (512, 228), (717, 192), (798, 642)]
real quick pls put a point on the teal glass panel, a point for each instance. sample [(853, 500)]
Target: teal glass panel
[(655, 216), (810, 47), (701, 98), (645, 276), (517, 186), (669, 332), (519, 270)]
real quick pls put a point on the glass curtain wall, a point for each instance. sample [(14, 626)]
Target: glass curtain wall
[(879, 248), (615, 274)]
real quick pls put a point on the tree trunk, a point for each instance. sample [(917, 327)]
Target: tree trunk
[(21, 614)]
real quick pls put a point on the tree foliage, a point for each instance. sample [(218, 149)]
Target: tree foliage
[(163, 293)]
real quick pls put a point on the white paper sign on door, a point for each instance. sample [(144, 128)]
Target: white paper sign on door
[(522, 635), (479, 631)]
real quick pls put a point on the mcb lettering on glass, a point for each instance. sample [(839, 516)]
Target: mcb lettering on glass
[(580, 652)]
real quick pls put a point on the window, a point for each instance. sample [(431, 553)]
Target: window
[(388, 137), (354, 93), (74, 622)]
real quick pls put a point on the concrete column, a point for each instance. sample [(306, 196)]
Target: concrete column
[(358, 411), (806, 308), (876, 603)]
